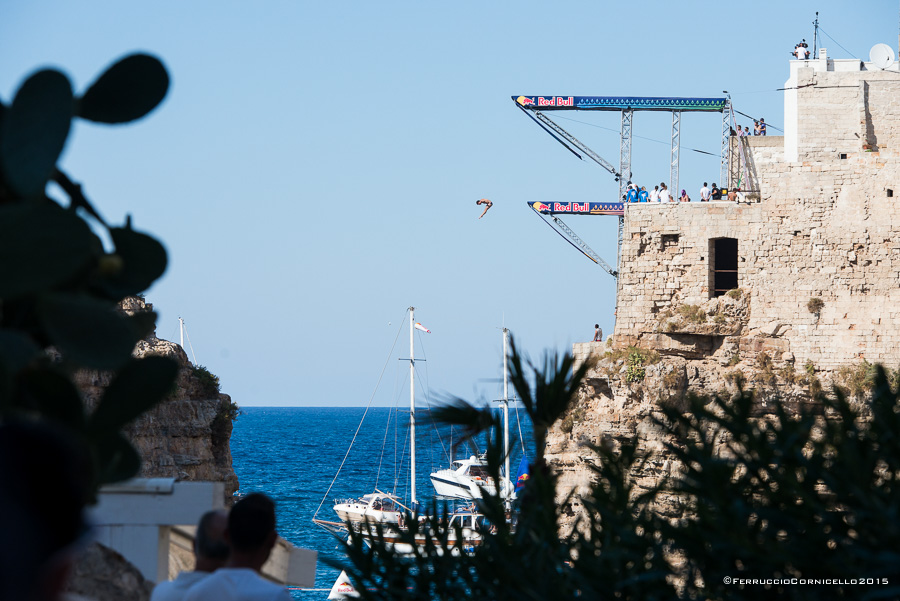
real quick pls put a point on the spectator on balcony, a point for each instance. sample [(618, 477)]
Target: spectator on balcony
[(704, 193), (631, 195)]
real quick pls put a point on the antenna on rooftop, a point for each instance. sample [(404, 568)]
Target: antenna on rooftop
[(882, 56), (815, 35)]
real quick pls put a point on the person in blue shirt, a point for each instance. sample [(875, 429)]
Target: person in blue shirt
[(643, 195), (632, 195)]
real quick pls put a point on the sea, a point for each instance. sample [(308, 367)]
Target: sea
[(306, 457)]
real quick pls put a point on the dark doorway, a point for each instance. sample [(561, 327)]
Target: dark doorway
[(723, 265)]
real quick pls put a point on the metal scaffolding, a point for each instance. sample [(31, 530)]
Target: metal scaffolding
[(676, 151), (625, 152), (726, 143)]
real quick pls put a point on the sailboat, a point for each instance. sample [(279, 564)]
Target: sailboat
[(469, 478), (381, 509)]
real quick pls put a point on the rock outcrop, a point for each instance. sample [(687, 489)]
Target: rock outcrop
[(187, 436), (102, 574), (696, 349)]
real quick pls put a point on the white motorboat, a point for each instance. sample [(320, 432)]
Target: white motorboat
[(373, 507), (469, 478)]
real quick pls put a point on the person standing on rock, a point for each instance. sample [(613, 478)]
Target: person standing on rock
[(598, 333), (210, 554)]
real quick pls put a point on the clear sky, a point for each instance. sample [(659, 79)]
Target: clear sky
[(314, 169)]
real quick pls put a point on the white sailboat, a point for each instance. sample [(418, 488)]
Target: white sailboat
[(469, 478), (379, 507), (384, 509)]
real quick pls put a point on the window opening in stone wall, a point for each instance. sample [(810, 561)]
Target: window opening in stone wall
[(669, 241), (723, 265), (843, 155), (890, 193)]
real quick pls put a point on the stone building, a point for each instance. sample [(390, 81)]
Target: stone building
[(821, 224), (796, 286)]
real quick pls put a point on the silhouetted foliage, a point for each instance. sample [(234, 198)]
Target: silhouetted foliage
[(59, 286), (784, 497)]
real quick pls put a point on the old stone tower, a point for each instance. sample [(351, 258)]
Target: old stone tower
[(797, 288)]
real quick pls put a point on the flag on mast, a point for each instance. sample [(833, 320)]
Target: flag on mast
[(419, 326)]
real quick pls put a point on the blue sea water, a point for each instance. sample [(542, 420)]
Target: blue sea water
[(293, 454)]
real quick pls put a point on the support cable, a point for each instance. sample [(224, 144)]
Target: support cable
[(560, 134), (616, 131), (578, 243)]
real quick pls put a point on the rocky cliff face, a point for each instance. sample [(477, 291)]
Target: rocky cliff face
[(188, 435), (700, 349)]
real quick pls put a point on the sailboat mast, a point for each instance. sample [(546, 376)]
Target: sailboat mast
[(181, 330), (506, 404), (412, 408)]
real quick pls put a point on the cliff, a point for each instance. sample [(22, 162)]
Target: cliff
[(188, 435)]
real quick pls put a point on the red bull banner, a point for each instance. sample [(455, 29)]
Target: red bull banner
[(618, 103), (578, 208)]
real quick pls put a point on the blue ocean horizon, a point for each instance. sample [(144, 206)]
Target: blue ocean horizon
[(293, 454)]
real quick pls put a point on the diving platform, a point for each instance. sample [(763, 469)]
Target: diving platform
[(578, 208), (535, 107), (621, 103)]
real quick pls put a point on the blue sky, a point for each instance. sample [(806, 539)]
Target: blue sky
[(314, 169)]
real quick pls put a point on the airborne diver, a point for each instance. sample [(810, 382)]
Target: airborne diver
[(484, 201)]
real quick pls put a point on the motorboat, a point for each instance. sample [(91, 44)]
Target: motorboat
[(373, 507), (469, 479)]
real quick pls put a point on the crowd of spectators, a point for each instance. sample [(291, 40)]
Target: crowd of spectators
[(759, 129), (660, 194)]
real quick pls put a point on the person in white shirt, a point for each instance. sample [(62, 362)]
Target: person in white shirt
[(704, 193), (654, 194), (663, 193), (210, 553), (251, 535)]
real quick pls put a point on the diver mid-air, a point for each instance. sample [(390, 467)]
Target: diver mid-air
[(484, 201)]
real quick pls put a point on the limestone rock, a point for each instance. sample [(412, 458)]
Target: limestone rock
[(102, 574), (188, 435)]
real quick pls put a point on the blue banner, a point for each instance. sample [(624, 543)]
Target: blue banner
[(618, 103)]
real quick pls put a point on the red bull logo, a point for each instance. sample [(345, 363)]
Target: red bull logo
[(571, 207), (540, 207), (522, 479), (525, 101), (555, 101)]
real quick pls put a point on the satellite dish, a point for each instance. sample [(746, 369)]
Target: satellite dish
[(882, 56)]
